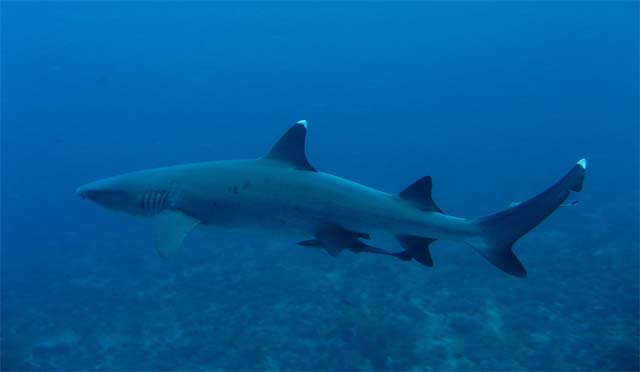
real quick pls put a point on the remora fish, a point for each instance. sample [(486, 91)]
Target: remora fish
[(283, 193)]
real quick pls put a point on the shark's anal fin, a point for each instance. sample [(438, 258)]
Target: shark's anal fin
[(419, 193), (172, 227), (417, 247), (290, 148)]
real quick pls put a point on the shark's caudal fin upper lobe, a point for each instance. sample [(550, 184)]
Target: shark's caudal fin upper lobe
[(498, 232), (495, 234)]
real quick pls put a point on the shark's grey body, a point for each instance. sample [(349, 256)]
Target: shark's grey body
[(268, 195), (283, 193)]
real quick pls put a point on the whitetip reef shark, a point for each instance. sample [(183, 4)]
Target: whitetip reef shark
[(282, 193)]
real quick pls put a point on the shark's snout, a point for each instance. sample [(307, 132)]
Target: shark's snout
[(109, 198), (88, 194), (92, 193), (91, 190), (84, 192), (104, 193), (127, 193)]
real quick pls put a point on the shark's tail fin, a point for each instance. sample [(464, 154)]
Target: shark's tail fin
[(498, 232)]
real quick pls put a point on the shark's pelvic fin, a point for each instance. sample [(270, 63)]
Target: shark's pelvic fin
[(417, 247), (333, 250), (290, 148), (173, 227), (310, 243), (334, 239), (419, 193)]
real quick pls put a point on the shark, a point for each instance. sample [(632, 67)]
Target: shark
[(283, 194)]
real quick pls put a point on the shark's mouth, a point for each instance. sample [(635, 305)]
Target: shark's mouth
[(110, 199)]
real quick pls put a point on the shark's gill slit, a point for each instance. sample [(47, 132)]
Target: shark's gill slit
[(161, 200), (163, 205), (148, 202), (156, 200)]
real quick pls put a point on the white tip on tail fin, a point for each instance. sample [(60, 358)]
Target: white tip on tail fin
[(303, 122), (583, 163)]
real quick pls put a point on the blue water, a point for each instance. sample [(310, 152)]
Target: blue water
[(495, 100)]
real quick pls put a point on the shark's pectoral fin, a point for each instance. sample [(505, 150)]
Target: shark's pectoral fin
[(417, 247), (290, 148), (172, 227)]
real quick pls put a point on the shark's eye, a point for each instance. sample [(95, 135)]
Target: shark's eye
[(153, 201)]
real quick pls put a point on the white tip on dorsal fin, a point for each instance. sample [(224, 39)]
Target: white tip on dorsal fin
[(583, 163), (290, 148)]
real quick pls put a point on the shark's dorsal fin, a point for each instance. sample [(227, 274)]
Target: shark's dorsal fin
[(290, 148), (419, 193), (173, 227)]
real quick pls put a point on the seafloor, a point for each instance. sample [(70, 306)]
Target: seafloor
[(236, 303)]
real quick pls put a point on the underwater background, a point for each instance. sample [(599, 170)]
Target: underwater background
[(495, 100)]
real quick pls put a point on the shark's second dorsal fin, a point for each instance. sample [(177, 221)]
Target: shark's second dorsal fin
[(419, 193), (290, 148)]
